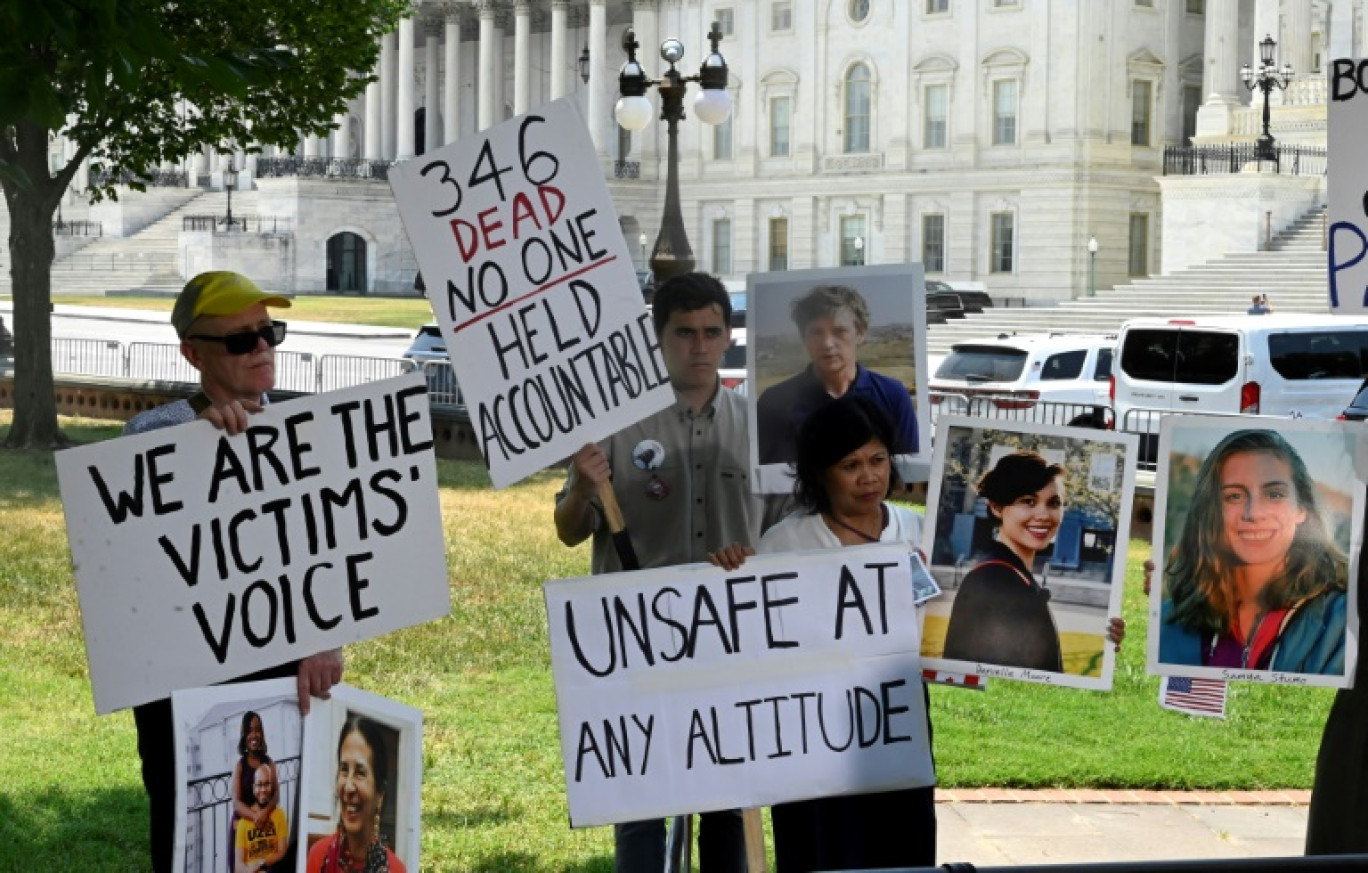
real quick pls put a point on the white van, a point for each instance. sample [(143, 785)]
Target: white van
[(1283, 365)]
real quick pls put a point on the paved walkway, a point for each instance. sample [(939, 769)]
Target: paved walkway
[(1002, 827)]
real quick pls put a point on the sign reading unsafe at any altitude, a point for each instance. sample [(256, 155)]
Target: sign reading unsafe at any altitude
[(691, 688), (533, 286), (201, 556)]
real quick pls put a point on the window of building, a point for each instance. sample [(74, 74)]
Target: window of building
[(933, 243), (1005, 4), (1146, 4), (1004, 112), (1196, 7), (936, 123), (853, 241), (726, 20), (936, 7), (781, 113), (721, 246), (722, 139), (624, 139), (781, 15), (1003, 245), (1138, 261), (859, 10), (1141, 105), (778, 244), (1192, 100), (857, 109)]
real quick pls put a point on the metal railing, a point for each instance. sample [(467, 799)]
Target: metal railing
[(209, 812), (150, 179), (331, 168), (304, 372), (1017, 409), (626, 169), (1208, 160), (80, 227), (241, 223)]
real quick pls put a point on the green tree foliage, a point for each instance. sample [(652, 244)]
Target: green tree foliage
[(135, 82)]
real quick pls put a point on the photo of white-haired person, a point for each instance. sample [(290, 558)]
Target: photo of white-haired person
[(833, 322)]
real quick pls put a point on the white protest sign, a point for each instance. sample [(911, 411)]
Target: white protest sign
[(1347, 184), (687, 689), (531, 280), (200, 556)]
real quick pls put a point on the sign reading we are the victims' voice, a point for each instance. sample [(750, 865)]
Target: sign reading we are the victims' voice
[(534, 288), (691, 688), (201, 556)]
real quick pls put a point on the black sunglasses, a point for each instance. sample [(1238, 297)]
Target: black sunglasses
[(245, 341)]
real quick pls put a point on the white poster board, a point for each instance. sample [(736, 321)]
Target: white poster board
[(200, 556), (1027, 596), (1235, 495), (687, 689), (1347, 184), (534, 288), (786, 366)]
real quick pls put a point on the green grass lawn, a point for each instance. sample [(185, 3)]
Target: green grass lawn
[(493, 792), (407, 312)]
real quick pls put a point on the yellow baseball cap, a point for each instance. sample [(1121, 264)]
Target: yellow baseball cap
[(220, 292)]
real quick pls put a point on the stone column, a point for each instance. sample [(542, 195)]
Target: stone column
[(451, 81), (404, 138), (598, 44), (486, 104), (387, 106), (1341, 42), (560, 39), (1222, 67), (342, 135), (432, 115), (374, 149), (311, 149), (522, 57), (500, 65), (1295, 46)]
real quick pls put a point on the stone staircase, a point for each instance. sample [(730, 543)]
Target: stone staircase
[(145, 262), (1292, 273)]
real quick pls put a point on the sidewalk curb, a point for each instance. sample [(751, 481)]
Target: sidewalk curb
[(1136, 797)]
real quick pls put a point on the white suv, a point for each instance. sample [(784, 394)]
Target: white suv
[(1051, 378)]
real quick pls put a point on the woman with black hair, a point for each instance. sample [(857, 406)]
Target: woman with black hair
[(252, 754), (843, 477), (363, 767), (1001, 614)]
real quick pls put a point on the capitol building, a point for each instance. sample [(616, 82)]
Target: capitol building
[(989, 140)]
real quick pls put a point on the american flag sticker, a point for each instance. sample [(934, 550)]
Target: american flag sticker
[(1204, 697), (959, 680)]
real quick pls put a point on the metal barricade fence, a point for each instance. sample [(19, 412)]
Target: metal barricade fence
[(1020, 410), (87, 357), (1145, 422), (344, 371), (295, 371), (442, 385), (159, 361)]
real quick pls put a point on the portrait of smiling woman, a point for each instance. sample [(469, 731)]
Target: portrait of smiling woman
[(364, 769), (1255, 579)]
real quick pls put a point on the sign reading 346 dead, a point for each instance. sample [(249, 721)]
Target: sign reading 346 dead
[(687, 689), (534, 288), (201, 556)]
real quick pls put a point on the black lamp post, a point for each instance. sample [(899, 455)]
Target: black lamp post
[(672, 254), (1266, 79), (1092, 266), (583, 64), (230, 179)]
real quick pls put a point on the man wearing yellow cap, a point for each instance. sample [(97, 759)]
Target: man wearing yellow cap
[(228, 335)]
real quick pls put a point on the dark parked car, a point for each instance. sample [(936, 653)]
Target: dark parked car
[(1357, 410), (6, 341)]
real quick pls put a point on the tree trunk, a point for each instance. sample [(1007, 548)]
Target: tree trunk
[(31, 253)]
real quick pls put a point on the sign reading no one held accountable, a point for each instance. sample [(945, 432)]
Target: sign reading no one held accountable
[(1347, 186), (534, 288), (200, 556), (688, 689)]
